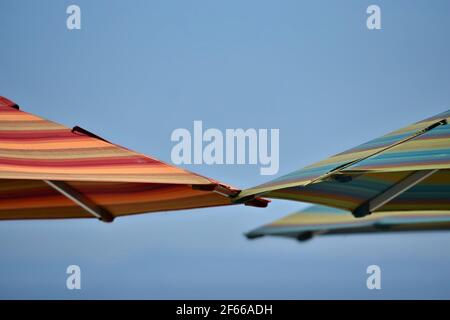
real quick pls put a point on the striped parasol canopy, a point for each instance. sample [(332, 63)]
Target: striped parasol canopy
[(405, 170), (322, 220), (48, 171)]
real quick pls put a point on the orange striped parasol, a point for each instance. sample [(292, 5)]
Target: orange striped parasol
[(49, 171)]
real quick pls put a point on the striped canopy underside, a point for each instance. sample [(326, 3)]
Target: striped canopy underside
[(321, 220), (119, 180), (376, 173)]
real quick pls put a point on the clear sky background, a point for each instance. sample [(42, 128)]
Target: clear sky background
[(137, 70)]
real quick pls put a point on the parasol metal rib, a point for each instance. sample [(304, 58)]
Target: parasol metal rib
[(225, 191), (305, 236), (72, 194), (78, 129), (257, 202), (344, 166), (252, 201), (392, 192)]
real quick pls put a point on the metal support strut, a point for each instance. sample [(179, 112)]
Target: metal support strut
[(72, 194), (392, 192)]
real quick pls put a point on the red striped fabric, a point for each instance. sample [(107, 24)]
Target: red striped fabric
[(116, 179)]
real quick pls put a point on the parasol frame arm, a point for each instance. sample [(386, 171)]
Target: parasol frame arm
[(392, 192), (225, 191), (10, 103), (245, 199), (78, 129), (338, 170), (306, 236), (79, 199)]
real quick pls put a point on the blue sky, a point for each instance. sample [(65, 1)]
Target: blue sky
[(137, 70)]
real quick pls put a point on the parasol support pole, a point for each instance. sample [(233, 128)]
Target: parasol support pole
[(392, 192), (72, 194)]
